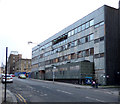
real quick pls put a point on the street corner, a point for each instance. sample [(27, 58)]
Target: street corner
[(10, 98)]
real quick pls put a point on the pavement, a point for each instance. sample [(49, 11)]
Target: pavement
[(9, 96), (107, 89)]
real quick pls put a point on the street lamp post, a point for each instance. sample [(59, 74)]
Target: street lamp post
[(54, 67), (30, 42)]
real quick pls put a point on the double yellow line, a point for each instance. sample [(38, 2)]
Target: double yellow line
[(21, 98)]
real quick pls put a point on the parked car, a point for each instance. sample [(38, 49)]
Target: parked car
[(12, 75), (8, 79), (22, 76)]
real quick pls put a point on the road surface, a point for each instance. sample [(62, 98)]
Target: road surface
[(28, 90)]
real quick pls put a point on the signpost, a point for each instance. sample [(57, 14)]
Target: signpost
[(5, 74)]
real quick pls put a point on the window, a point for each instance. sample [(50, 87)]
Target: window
[(69, 57), (76, 30), (80, 54), (87, 25), (96, 26), (87, 38), (69, 34), (69, 45), (97, 55), (101, 54), (63, 47), (91, 51), (99, 24), (72, 32), (84, 53), (102, 38), (91, 22), (102, 23), (87, 52), (96, 40), (91, 37), (66, 58), (79, 28), (72, 44), (82, 40), (73, 56), (76, 42), (83, 26), (66, 46)]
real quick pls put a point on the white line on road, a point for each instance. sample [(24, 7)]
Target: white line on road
[(64, 91), (94, 99), (45, 87)]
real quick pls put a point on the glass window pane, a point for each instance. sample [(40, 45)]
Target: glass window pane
[(69, 34), (76, 42), (87, 38), (96, 26), (91, 51), (91, 22), (76, 31), (102, 23), (79, 28), (87, 25), (96, 40), (91, 37), (82, 40), (83, 26), (72, 32)]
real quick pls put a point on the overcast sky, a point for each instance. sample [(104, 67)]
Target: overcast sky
[(36, 20)]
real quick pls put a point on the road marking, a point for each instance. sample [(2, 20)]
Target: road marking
[(64, 91), (94, 99), (18, 97), (43, 95), (22, 98), (45, 87)]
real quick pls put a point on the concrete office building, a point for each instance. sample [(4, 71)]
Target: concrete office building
[(93, 39)]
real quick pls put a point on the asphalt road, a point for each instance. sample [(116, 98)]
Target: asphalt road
[(27, 90)]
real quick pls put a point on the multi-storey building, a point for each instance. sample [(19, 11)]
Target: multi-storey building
[(23, 65), (94, 38), (14, 56)]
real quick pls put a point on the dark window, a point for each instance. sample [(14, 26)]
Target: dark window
[(73, 56), (97, 55), (101, 54), (87, 52), (87, 39), (60, 59), (69, 45), (66, 57), (102, 38), (96, 40), (91, 51)]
